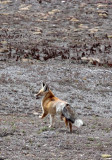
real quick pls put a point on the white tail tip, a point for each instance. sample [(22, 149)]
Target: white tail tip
[(78, 123)]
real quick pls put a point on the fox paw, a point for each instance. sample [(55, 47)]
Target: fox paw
[(50, 126), (40, 117)]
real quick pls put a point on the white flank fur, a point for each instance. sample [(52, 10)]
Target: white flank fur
[(78, 123)]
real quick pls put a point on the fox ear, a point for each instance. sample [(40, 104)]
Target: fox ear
[(43, 84), (46, 88)]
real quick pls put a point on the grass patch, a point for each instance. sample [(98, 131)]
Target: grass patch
[(107, 130), (44, 129), (93, 126), (91, 139)]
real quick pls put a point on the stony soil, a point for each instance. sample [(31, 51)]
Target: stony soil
[(45, 41)]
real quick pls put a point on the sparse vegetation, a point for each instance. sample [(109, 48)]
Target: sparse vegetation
[(43, 130), (67, 44), (91, 138)]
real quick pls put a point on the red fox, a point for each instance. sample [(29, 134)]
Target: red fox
[(53, 105)]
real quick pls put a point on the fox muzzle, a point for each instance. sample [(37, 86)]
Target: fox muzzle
[(37, 96)]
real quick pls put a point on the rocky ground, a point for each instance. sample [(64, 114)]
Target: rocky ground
[(67, 44)]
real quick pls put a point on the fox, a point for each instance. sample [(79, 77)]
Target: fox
[(54, 106)]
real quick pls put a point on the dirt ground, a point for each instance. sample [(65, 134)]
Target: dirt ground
[(46, 41)]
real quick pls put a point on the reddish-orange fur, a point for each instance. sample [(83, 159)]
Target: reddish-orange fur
[(48, 103)]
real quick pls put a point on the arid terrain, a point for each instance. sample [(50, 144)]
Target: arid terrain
[(67, 44)]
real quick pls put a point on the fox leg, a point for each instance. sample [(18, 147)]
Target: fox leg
[(70, 126), (43, 115), (61, 117), (66, 121), (51, 120)]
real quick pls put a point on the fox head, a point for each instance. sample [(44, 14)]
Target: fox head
[(44, 89)]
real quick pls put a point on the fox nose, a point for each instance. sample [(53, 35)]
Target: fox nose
[(36, 96)]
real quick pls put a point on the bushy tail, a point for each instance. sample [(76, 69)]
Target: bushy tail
[(69, 114), (78, 123)]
